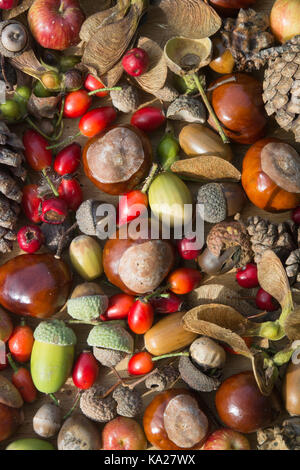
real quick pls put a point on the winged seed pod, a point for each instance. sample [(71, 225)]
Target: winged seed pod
[(187, 56)]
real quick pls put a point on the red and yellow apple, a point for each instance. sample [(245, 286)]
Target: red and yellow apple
[(226, 439), (55, 24), (285, 19), (123, 434)]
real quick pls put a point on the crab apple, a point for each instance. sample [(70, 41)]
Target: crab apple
[(226, 439), (135, 62)]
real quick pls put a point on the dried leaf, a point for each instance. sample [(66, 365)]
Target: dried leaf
[(156, 76), (272, 277), (292, 325), (103, 16), (220, 322), (112, 77), (9, 395), (265, 376), (43, 107), (193, 19), (108, 44), (218, 293), (206, 168), (18, 10)]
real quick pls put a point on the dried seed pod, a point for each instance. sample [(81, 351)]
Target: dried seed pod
[(195, 378), (47, 420), (162, 379), (207, 353), (221, 200), (129, 402), (125, 100), (184, 55), (108, 357), (187, 109), (97, 408), (14, 38)]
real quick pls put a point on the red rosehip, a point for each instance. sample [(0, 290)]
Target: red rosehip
[(76, 104), (70, 191), (31, 203), (296, 215), (148, 119), (36, 153), (130, 206), (118, 307), (68, 159), (140, 317), (247, 276), (135, 62), (92, 83), (21, 343), (85, 371), (170, 304), (96, 120), (54, 211), (140, 364), (186, 248), (184, 280), (30, 238), (264, 301)]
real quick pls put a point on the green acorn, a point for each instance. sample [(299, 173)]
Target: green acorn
[(113, 337), (87, 302), (52, 355)]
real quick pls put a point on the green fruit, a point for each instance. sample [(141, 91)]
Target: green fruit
[(87, 307), (40, 91), (30, 444), (168, 195), (111, 337), (68, 62), (11, 110), (22, 94), (167, 151), (86, 257), (52, 355)]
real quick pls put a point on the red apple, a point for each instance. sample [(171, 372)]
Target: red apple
[(123, 434), (226, 439), (8, 4), (285, 19), (55, 24)]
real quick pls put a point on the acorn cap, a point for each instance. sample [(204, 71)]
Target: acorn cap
[(111, 337), (87, 307), (215, 206), (55, 332)]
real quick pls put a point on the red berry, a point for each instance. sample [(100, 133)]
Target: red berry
[(264, 301), (186, 248), (22, 380), (148, 119), (118, 307), (135, 62), (170, 304), (21, 342), (36, 153), (247, 276), (296, 215), (184, 280), (54, 211), (68, 159), (77, 103), (131, 205), (91, 83), (140, 317), (96, 120), (70, 191), (8, 4), (31, 202), (30, 238), (85, 371), (140, 364)]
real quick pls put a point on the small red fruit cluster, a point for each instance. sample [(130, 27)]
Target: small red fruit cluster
[(247, 278)]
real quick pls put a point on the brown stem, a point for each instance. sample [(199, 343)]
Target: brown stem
[(74, 406), (141, 380), (130, 386), (62, 238), (118, 376), (149, 178), (258, 315)]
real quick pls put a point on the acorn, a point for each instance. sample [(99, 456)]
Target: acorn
[(87, 302), (220, 200), (52, 355), (86, 257), (111, 343)]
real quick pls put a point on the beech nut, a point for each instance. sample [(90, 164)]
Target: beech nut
[(174, 421)]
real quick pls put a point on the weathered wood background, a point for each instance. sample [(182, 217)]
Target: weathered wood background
[(234, 363)]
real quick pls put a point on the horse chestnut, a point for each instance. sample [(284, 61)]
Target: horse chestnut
[(242, 407)]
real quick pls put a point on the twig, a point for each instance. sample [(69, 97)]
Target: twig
[(62, 238), (74, 406)]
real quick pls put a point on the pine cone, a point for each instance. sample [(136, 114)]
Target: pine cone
[(282, 86), (12, 174), (245, 36), (265, 235)]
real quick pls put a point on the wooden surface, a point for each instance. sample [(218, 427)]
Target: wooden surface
[(234, 363)]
